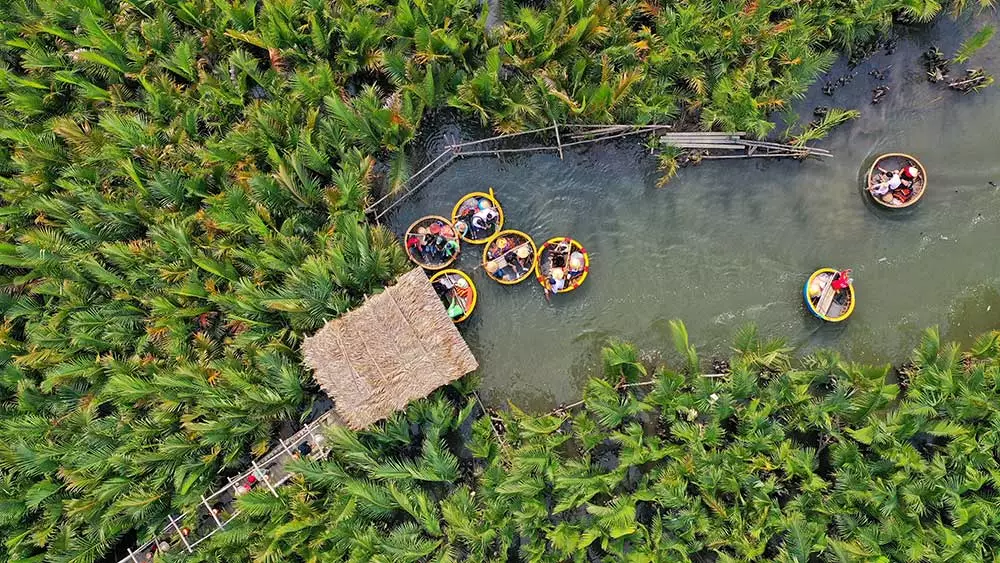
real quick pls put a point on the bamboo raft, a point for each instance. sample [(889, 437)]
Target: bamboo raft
[(735, 145)]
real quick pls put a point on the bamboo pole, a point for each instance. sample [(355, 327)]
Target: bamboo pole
[(211, 511), (497, 138), (619, 387), (173, 522), (422, 182), (558, 141), (414, 175), (264, 477), (500, 440)]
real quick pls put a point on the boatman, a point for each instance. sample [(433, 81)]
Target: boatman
[(842, 280)]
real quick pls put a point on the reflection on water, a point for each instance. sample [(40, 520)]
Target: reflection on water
[(727, 244)]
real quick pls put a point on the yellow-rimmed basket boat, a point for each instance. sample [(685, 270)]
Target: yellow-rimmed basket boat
[(898, 198), (466, 208), (571, 259), (457, 292), (509, 257), (431, 243), (823, 301)]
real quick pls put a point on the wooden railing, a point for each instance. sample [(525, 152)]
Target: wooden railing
[(186, 530)]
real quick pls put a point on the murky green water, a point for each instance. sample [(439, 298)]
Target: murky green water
[(730, 243)]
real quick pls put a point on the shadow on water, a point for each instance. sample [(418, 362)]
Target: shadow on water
[(725, 244)]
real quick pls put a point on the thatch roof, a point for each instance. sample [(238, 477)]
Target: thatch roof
[(399, 346)]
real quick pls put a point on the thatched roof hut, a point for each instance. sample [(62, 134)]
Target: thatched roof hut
[(399, 346)]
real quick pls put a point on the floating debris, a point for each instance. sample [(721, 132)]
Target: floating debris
[(879, 74), (936, 64), (878, 93), (831, 85), (975, 79)]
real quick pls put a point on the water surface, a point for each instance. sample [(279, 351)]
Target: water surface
[(730, 243)]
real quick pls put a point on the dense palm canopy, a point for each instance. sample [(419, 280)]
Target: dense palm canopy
[(815, 460), (181, 185)]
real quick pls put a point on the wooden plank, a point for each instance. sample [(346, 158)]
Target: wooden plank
[(720, 146), (825, 299), (677, 137), (764, 144)]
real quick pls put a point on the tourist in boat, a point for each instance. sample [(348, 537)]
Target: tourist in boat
[(514, 264), (415, 244), (523, 258), (455, 309), (576, 264), (887, 184), (450, 248), (557, 281), (484, 219)]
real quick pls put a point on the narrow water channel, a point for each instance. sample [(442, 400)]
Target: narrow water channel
[(726, 244)]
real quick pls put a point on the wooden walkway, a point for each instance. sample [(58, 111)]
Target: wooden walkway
[(717, 146), (183, 532)]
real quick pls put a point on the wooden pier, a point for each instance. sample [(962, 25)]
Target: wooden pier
[(735, 145)]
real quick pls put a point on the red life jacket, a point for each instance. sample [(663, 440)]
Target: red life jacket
[(842, 281)]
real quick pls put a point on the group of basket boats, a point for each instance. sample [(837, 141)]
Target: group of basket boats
[(894, 181), (561, 264), (510, 256)]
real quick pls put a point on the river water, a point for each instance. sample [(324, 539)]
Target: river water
[(729, 243)]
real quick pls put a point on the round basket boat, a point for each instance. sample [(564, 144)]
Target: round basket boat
[(464, 213), (567, 257), (509, 257), (823, 301), (905, 195), (431, 243), (457, 292)]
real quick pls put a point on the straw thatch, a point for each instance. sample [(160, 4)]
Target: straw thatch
[(399, 346)]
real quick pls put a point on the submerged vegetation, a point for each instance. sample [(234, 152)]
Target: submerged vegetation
[(182, 184), (815, 460)]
